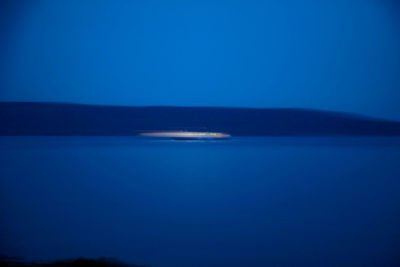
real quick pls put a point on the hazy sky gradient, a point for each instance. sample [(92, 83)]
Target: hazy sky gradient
[(339, 55)]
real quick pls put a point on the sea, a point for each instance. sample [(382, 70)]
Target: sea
[(246, 201)]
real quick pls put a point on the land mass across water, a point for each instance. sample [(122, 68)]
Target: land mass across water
[(63, 119)]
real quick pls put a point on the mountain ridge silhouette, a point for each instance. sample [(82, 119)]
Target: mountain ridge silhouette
[(49, 118)]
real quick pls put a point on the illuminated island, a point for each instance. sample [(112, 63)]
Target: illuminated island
[(183, 135)]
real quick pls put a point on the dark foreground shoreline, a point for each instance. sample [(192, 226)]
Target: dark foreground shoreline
[(100, 262)]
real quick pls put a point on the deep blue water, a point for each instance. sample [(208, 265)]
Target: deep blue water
[(243, 202)]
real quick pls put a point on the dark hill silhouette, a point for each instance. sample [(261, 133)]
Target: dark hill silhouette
[(29, 118)]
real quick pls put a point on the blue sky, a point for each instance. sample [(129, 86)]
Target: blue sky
[(339, 55)]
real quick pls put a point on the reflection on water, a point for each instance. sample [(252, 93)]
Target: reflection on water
[(239, 202)]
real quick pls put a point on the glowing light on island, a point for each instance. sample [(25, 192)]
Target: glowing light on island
[(186, 135)]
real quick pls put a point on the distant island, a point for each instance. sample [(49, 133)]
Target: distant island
[(60, 119)]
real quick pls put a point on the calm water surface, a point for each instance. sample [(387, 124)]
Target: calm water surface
[(242, 202)]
